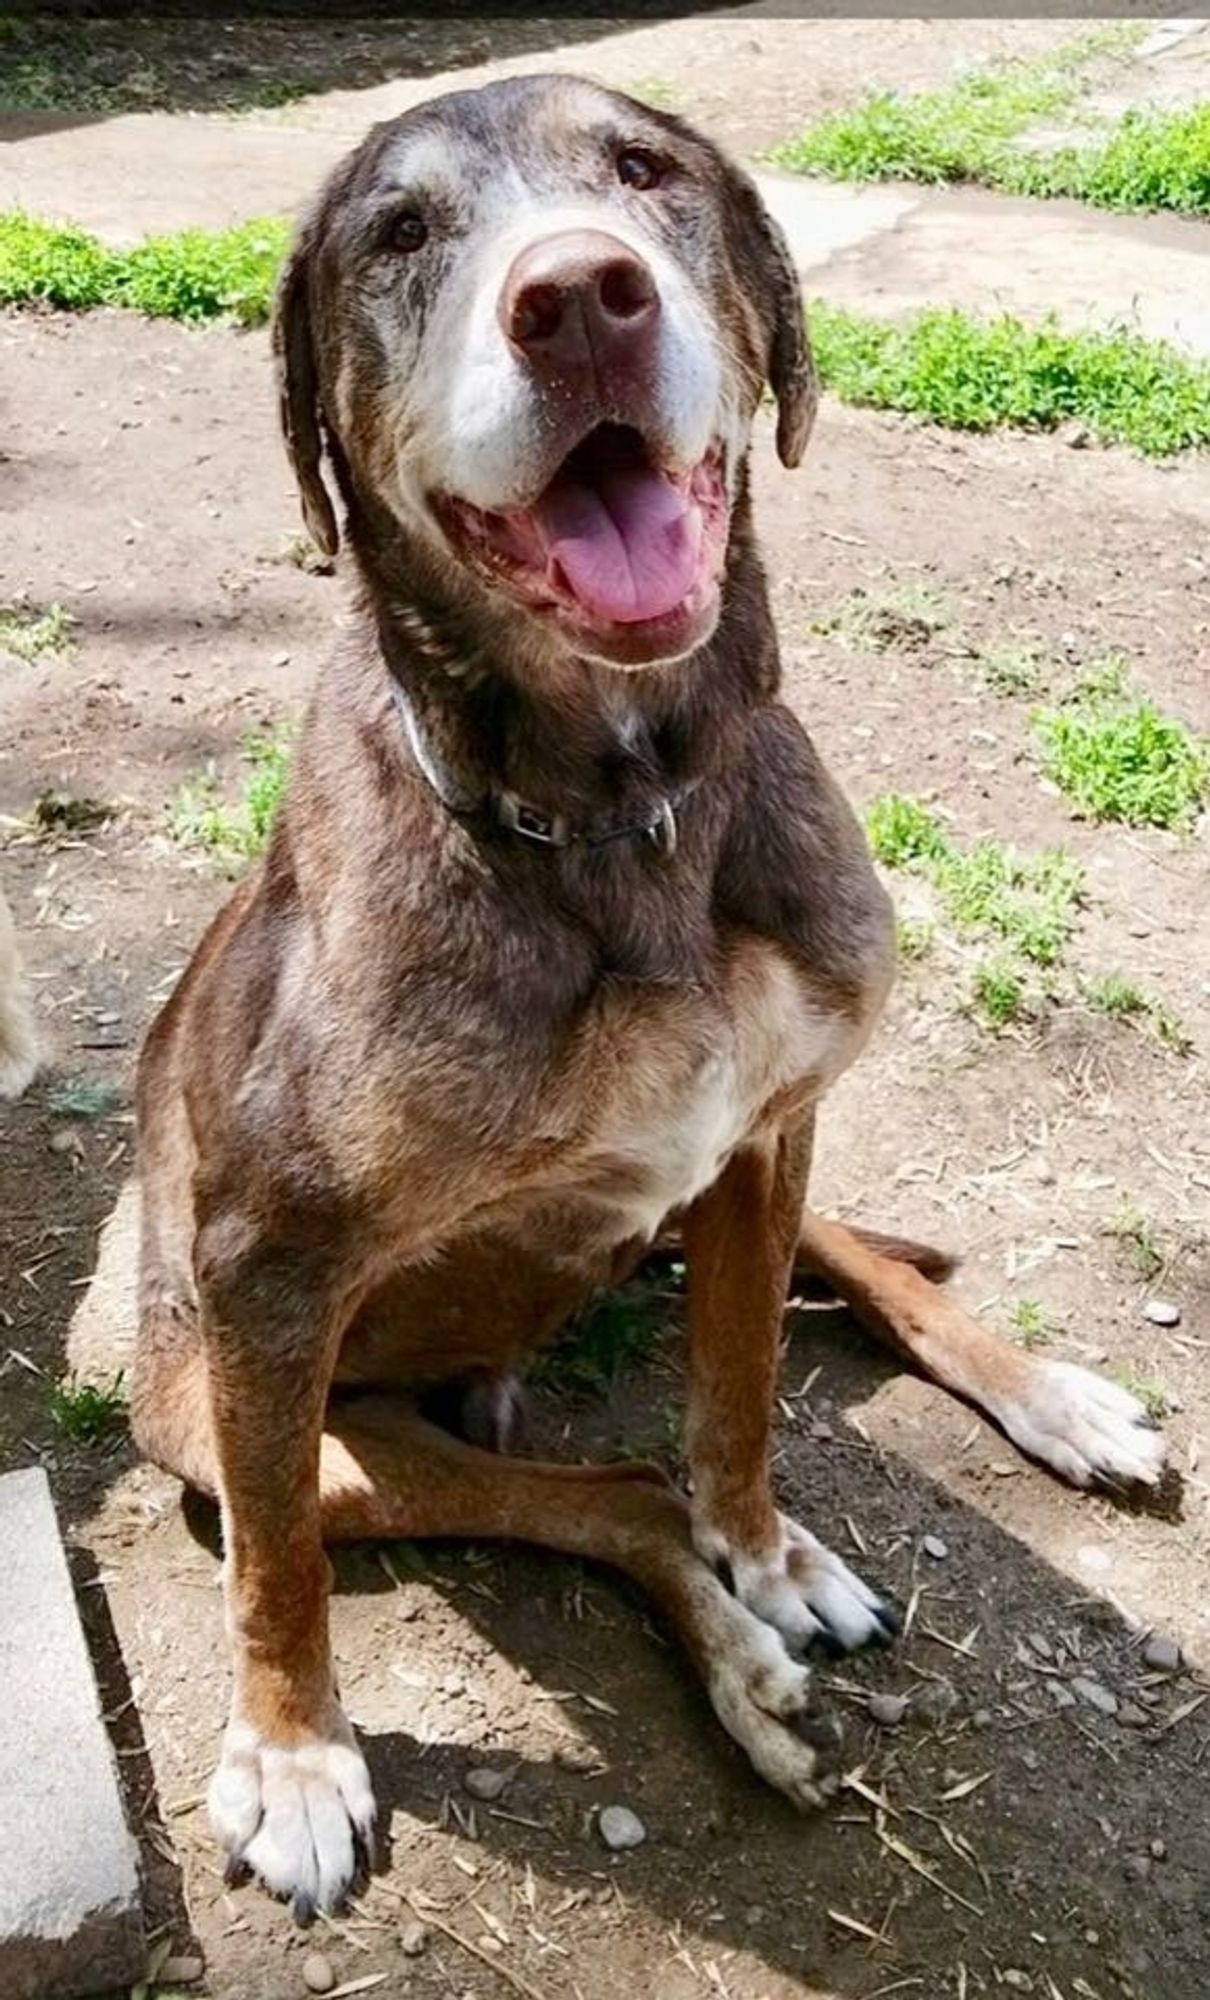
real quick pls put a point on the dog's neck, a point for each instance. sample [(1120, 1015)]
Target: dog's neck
[(489, 713)]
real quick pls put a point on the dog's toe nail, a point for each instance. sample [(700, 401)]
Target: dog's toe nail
[(235, 1871), (302, 1909), (889, 1625), (824, 1735)]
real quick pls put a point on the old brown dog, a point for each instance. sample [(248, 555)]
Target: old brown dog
[(561, 935)]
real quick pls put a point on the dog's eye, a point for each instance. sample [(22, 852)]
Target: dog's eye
[(409, 232), (639, 169)]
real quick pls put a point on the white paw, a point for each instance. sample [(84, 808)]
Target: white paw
[(1087, 1429), (294, 1816), (801, 1589), (763, 1699)]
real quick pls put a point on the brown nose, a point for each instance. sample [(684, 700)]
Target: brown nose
[(575, 303)]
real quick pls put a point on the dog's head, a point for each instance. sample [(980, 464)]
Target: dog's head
[(533, 323)]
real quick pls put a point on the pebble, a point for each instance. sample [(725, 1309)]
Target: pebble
[(1133, 1717), (1095, 1695), (1041, 1644), (982, 1719), (888, 1709), (1158, 1850), (1061, 1695), (1162, 1653), (1162, 1312), (66, 1140), (413, 1940), (486, 1784), (182, 1970), (318, 1976), (935, 1547), (620, 1828)]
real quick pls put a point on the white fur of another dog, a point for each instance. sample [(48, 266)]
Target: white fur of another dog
[(18, 1039)]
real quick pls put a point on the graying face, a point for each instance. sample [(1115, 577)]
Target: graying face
[(542, 319)]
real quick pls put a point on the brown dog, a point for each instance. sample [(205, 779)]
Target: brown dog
[(561, 935)]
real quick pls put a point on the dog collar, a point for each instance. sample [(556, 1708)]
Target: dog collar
[(529, 822)]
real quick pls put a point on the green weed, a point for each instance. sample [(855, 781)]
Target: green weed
[(28, 632), (1150, 1392), (913, 938), (1029, 1322), (970, 374), (234, 835), (617, 1331), (1015, 667), (87, 1412), (998, 993), (197, 274), (967, 132), (1136, 1238), (1118, 757), (902, 831), (84, 1097), (1121, 1000)]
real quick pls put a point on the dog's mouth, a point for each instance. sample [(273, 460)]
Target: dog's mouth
[(618, 547)]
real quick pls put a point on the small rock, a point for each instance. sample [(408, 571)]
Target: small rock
[(1133, 1717), (755, 1915), (281, 660), (66, 1140), (934, 1546), (318, 1976), (1019, 1981), (1030, 1759), (620, 1828), (936, 1702), (982, 1719), (1044, 1173), (486, 1784), (1162, 1312), (1095, 1695), (413, 1940), (1137, 1867), (1158, 1850), (1162, 1653), (888, 1709), (1060, 1694), (582, 1758), (489, 1942), (1077, 437), (1041, 1644), (182, 1970)]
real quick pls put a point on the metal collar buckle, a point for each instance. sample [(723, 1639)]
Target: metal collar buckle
[(549, 830)]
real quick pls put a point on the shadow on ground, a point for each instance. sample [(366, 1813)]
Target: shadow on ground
[(58, 70)]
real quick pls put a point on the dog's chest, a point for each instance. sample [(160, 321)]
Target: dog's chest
[(689, 1079)]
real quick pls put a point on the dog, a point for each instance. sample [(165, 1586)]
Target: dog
[(560, 937), (18, 1037)]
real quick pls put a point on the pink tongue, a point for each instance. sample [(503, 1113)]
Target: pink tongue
[(627, 548)]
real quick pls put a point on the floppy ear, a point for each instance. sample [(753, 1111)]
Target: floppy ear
[(298, 392), (764, 261)]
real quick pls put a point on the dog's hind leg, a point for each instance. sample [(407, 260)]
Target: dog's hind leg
[(1083, 1427), (386, 1472)]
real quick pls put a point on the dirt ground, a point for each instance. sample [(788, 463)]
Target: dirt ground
[(1009, 1835)]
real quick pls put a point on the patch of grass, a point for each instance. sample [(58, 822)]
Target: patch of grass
[(998, 993), (1120, 1000), (84, 1097), (1149, 160), (1024, 905), (195, 275), (617, 1331), (232, 836), (87, 1412), (1015, 667), (28, 631), (906, 616), (913, 938), (1136, 1238), (1116, 997), (301, 553), (1118, 757), (653, 90), (1029, 1323), (968, 132), (66, 812), (970, 374)]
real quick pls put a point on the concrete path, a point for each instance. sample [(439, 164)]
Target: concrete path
[(884, 249)]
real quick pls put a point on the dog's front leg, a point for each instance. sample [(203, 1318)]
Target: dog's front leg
[(291, 1797), (739, 1242)]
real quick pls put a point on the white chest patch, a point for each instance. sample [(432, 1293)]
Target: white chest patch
[(699, 1083)]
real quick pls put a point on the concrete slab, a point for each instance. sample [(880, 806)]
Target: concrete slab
[(70, 1920), (821, 218)]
